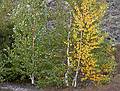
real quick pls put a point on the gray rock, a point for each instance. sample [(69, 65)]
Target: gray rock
[(111, 22)]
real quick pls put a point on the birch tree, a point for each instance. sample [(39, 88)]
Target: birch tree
[(86, 37), (28, 18)]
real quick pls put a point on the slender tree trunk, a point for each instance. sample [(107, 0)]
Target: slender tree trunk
[(74, 83), (32, 76), (68, 59), (68, 49), (32, 79)]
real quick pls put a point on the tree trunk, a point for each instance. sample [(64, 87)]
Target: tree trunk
[(32, 79), (68, 59), (32, 76), (74, 83), (68, 49)]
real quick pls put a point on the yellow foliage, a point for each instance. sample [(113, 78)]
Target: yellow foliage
[(86, 37)]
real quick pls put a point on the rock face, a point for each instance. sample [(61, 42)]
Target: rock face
[(111, 22), (53, 7), (111, 25)]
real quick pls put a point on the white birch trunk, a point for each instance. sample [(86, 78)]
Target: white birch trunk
[(32, 79), (74, 83), (68, 49), (68, 60)]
